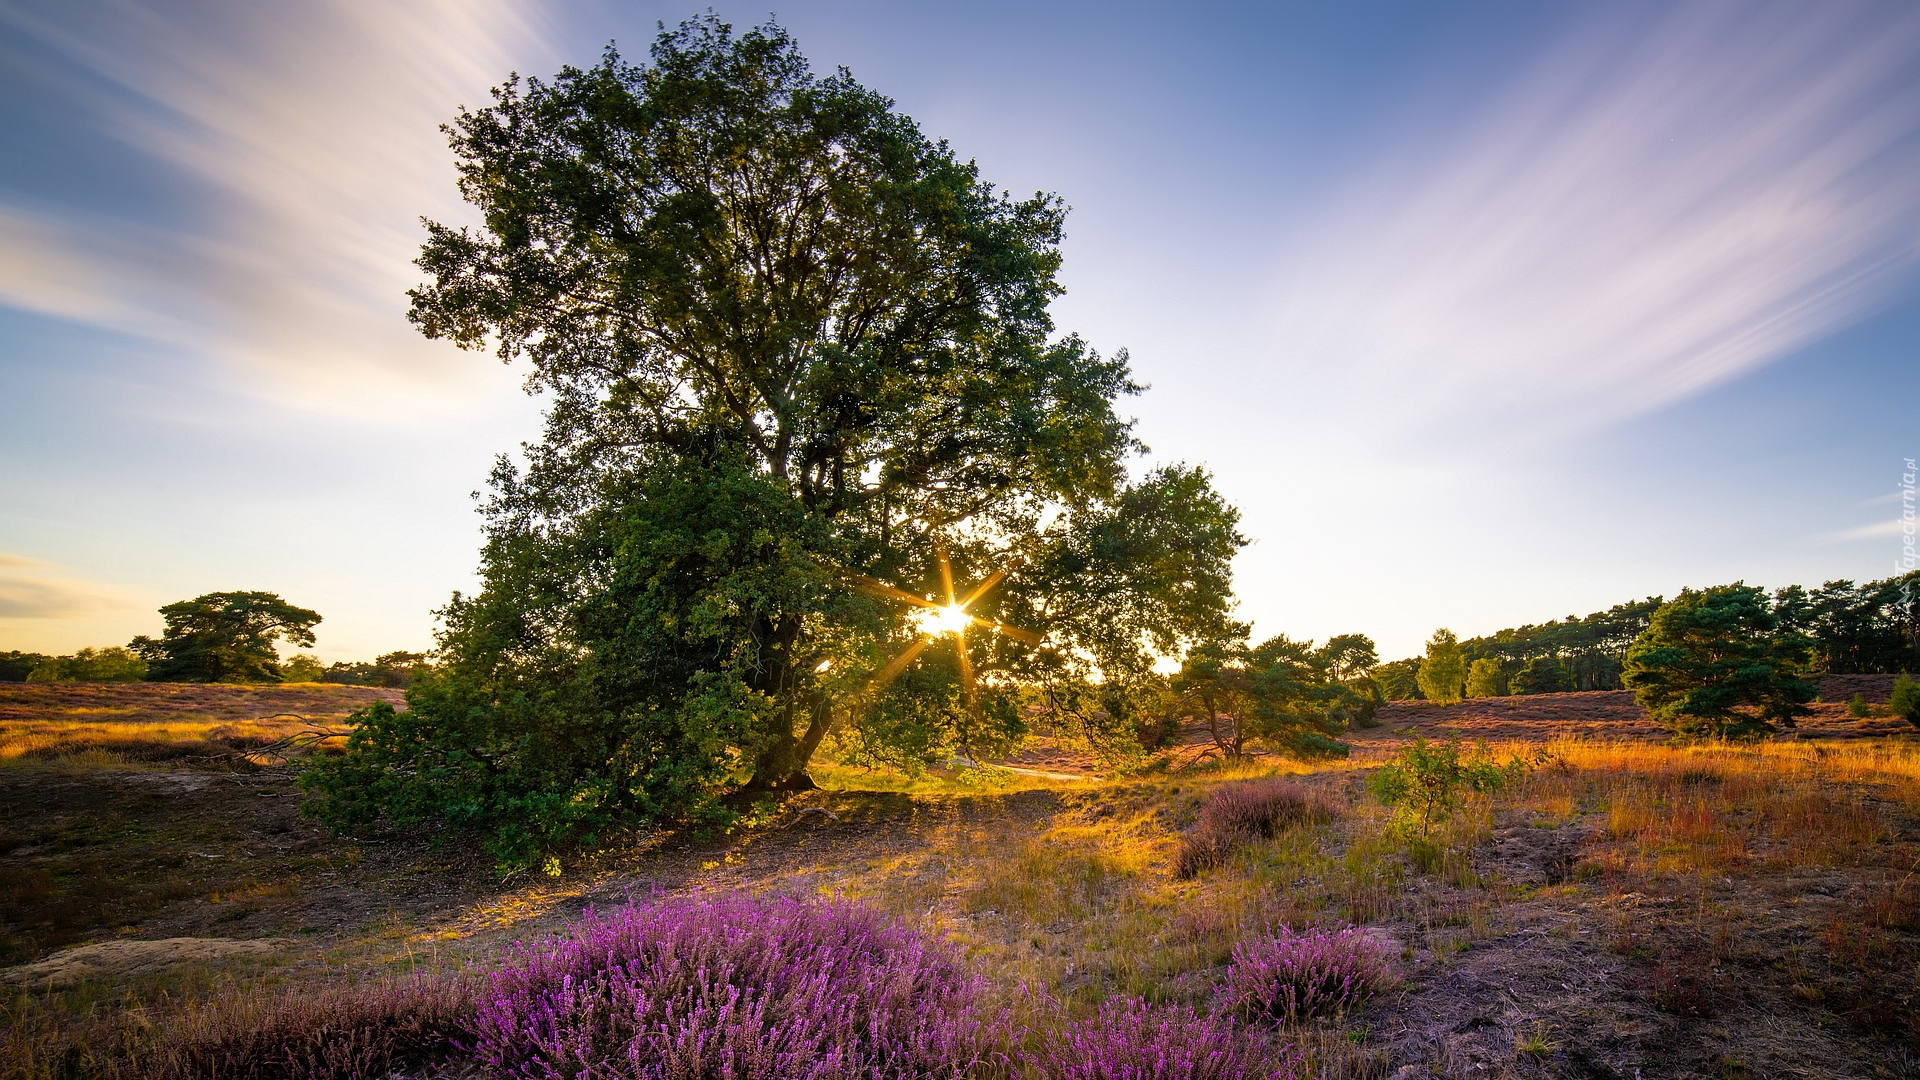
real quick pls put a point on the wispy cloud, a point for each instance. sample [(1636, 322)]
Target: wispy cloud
[(31, 589), (311, 129), (1675, 195), (1876, 531)]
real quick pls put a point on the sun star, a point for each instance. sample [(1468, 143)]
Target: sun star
[(935, 620)]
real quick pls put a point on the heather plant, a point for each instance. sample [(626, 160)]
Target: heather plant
[(735, 987), (1238, 814), (1293, 975), (1129, 1039)]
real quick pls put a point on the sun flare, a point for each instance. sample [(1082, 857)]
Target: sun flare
[(951, 619)]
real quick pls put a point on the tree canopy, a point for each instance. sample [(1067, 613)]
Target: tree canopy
[(111, 664), (815, 465), (1443, 672), (224, 637), (1718, 663), (1290, 695)]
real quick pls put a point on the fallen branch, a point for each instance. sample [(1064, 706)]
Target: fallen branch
[(800, 815)]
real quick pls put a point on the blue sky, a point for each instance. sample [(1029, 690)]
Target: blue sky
[(1484, 313)]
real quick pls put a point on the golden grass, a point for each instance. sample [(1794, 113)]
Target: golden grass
[(1722, 808), (79, 726), (1073, 892)]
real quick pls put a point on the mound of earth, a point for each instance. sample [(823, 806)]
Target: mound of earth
[(121, 961)]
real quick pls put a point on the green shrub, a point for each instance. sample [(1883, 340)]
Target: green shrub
[(1427, 781), (1857, 706), (1905, 700)]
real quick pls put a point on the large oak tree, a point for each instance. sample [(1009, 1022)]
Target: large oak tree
[(797, 358)]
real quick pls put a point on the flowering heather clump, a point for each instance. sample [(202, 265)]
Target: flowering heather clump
[(1292, 976), (734, 988), (1131, 1040), (1238, 814)]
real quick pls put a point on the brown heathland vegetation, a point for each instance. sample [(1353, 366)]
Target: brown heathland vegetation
[(1628, 909)]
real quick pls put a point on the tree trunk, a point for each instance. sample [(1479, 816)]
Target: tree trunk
[(784, 766)]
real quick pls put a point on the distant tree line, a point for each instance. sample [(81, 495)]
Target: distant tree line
[(1869, 627), (226, 637)]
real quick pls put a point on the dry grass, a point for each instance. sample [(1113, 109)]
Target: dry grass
[(1630, 905), (80, 726)]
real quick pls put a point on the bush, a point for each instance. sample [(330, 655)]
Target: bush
[(1904, 702), (1238, 814), (369, 1029), (1291, 976), (737, 987), (1131, 1040), (1426, 782), (301, 668)]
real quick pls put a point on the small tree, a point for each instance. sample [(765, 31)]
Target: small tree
[(224, 637), (1283, 693), (1486, 679), (1443, 673), (1715, 663), (1350, 660), (1904, 702), (301, 667), (1427, 781)]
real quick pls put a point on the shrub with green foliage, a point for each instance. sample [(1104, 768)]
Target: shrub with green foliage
[(1904, 702), (1426, 782), (1858, 708), (1717, 664)]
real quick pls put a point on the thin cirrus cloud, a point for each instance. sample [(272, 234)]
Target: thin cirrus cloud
[(311, 131), (1875, 531), (1669, 198), (32, 589)]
